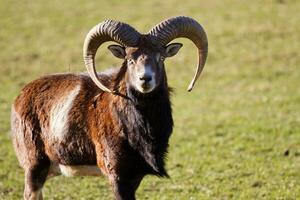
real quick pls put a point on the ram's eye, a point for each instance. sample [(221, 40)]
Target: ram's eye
[(159, 57)]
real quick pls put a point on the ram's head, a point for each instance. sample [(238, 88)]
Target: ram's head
[(144, 53)]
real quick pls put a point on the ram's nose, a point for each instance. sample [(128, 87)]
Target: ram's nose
[(146, 78)]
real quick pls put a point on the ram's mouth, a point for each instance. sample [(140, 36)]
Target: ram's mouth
[(146, 88)]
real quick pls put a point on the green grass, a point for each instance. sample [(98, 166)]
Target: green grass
[(231, 133)]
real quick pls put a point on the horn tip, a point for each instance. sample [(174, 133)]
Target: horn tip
[(190, 88)]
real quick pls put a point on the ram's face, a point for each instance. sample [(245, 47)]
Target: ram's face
[(145, 67)]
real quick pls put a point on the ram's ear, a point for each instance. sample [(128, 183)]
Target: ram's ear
[(117, 51), (172, 49)]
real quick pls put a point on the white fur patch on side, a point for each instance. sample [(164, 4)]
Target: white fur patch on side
[(80, 170), (59, 114)]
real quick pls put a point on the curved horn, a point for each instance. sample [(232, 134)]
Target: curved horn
[(108, 30), (186, 27)]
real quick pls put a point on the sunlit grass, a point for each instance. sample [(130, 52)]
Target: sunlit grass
[(236, 136)]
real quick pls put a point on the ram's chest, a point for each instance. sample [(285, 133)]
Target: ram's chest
[(147, 132)]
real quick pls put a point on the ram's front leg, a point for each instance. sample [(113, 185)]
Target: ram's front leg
[(124, 187)]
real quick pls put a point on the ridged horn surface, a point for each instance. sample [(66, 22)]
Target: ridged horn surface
[(109, 30), (186, 27)]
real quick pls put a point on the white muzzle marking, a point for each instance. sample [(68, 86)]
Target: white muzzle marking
[(146, 72)]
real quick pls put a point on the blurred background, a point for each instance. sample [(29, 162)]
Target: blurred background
[(236, 136)]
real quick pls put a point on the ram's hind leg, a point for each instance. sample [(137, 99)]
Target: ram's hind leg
[(30, 151), (35, 177), (36, 172)]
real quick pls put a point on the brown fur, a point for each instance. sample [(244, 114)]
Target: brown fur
[(124, 134)]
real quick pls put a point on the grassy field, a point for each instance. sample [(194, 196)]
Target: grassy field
[(236, 136)]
